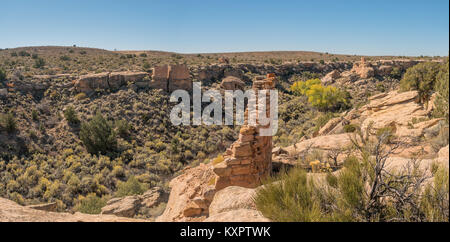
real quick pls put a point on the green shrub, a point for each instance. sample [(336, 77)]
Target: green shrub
[(23, 53), (98, 135), (396, 72), (2, 75), (362, 191), (350, 128), (39, 63), (387, 131), (441, 106), (71, 116), (8, 122), (436, 196), (35, 115), (421, 77), (80, 96), (91, 204), (131, 187), (292, 199), (123, 128), (64, 58)]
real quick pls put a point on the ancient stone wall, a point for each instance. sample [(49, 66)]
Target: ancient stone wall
[(171, 77), (179, 78), (249, 159), (160, 77)]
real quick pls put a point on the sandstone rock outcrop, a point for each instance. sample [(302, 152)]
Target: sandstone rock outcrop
[(331, 77), (122, 207), (393, 109), (191, 194), (400, 112), (49, 207), (107, 80), (249, 159), (323, 143), (232, 83), (13, 212), (232, 198), (130, 205)]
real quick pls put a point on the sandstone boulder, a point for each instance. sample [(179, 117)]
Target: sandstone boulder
[(122, 207), (189, 190), (232, 198), (331, 77), (130, 205)]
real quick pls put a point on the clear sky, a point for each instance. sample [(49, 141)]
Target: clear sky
[(372, 27)]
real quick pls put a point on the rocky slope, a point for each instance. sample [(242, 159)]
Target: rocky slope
[(409, 121)]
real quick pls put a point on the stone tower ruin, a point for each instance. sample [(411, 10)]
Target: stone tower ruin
[(249, 160)]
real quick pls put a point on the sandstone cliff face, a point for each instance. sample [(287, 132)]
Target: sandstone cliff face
[(13, 212), (107, 80)]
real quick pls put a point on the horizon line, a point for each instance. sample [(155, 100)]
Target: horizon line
[(219, 52)]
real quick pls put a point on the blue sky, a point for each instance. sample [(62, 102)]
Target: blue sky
[(375, 27)]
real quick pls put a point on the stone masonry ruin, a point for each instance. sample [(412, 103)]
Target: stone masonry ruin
[(249, 159)]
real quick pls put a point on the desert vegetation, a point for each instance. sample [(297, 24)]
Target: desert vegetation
[(80, 149), (364, 190)]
